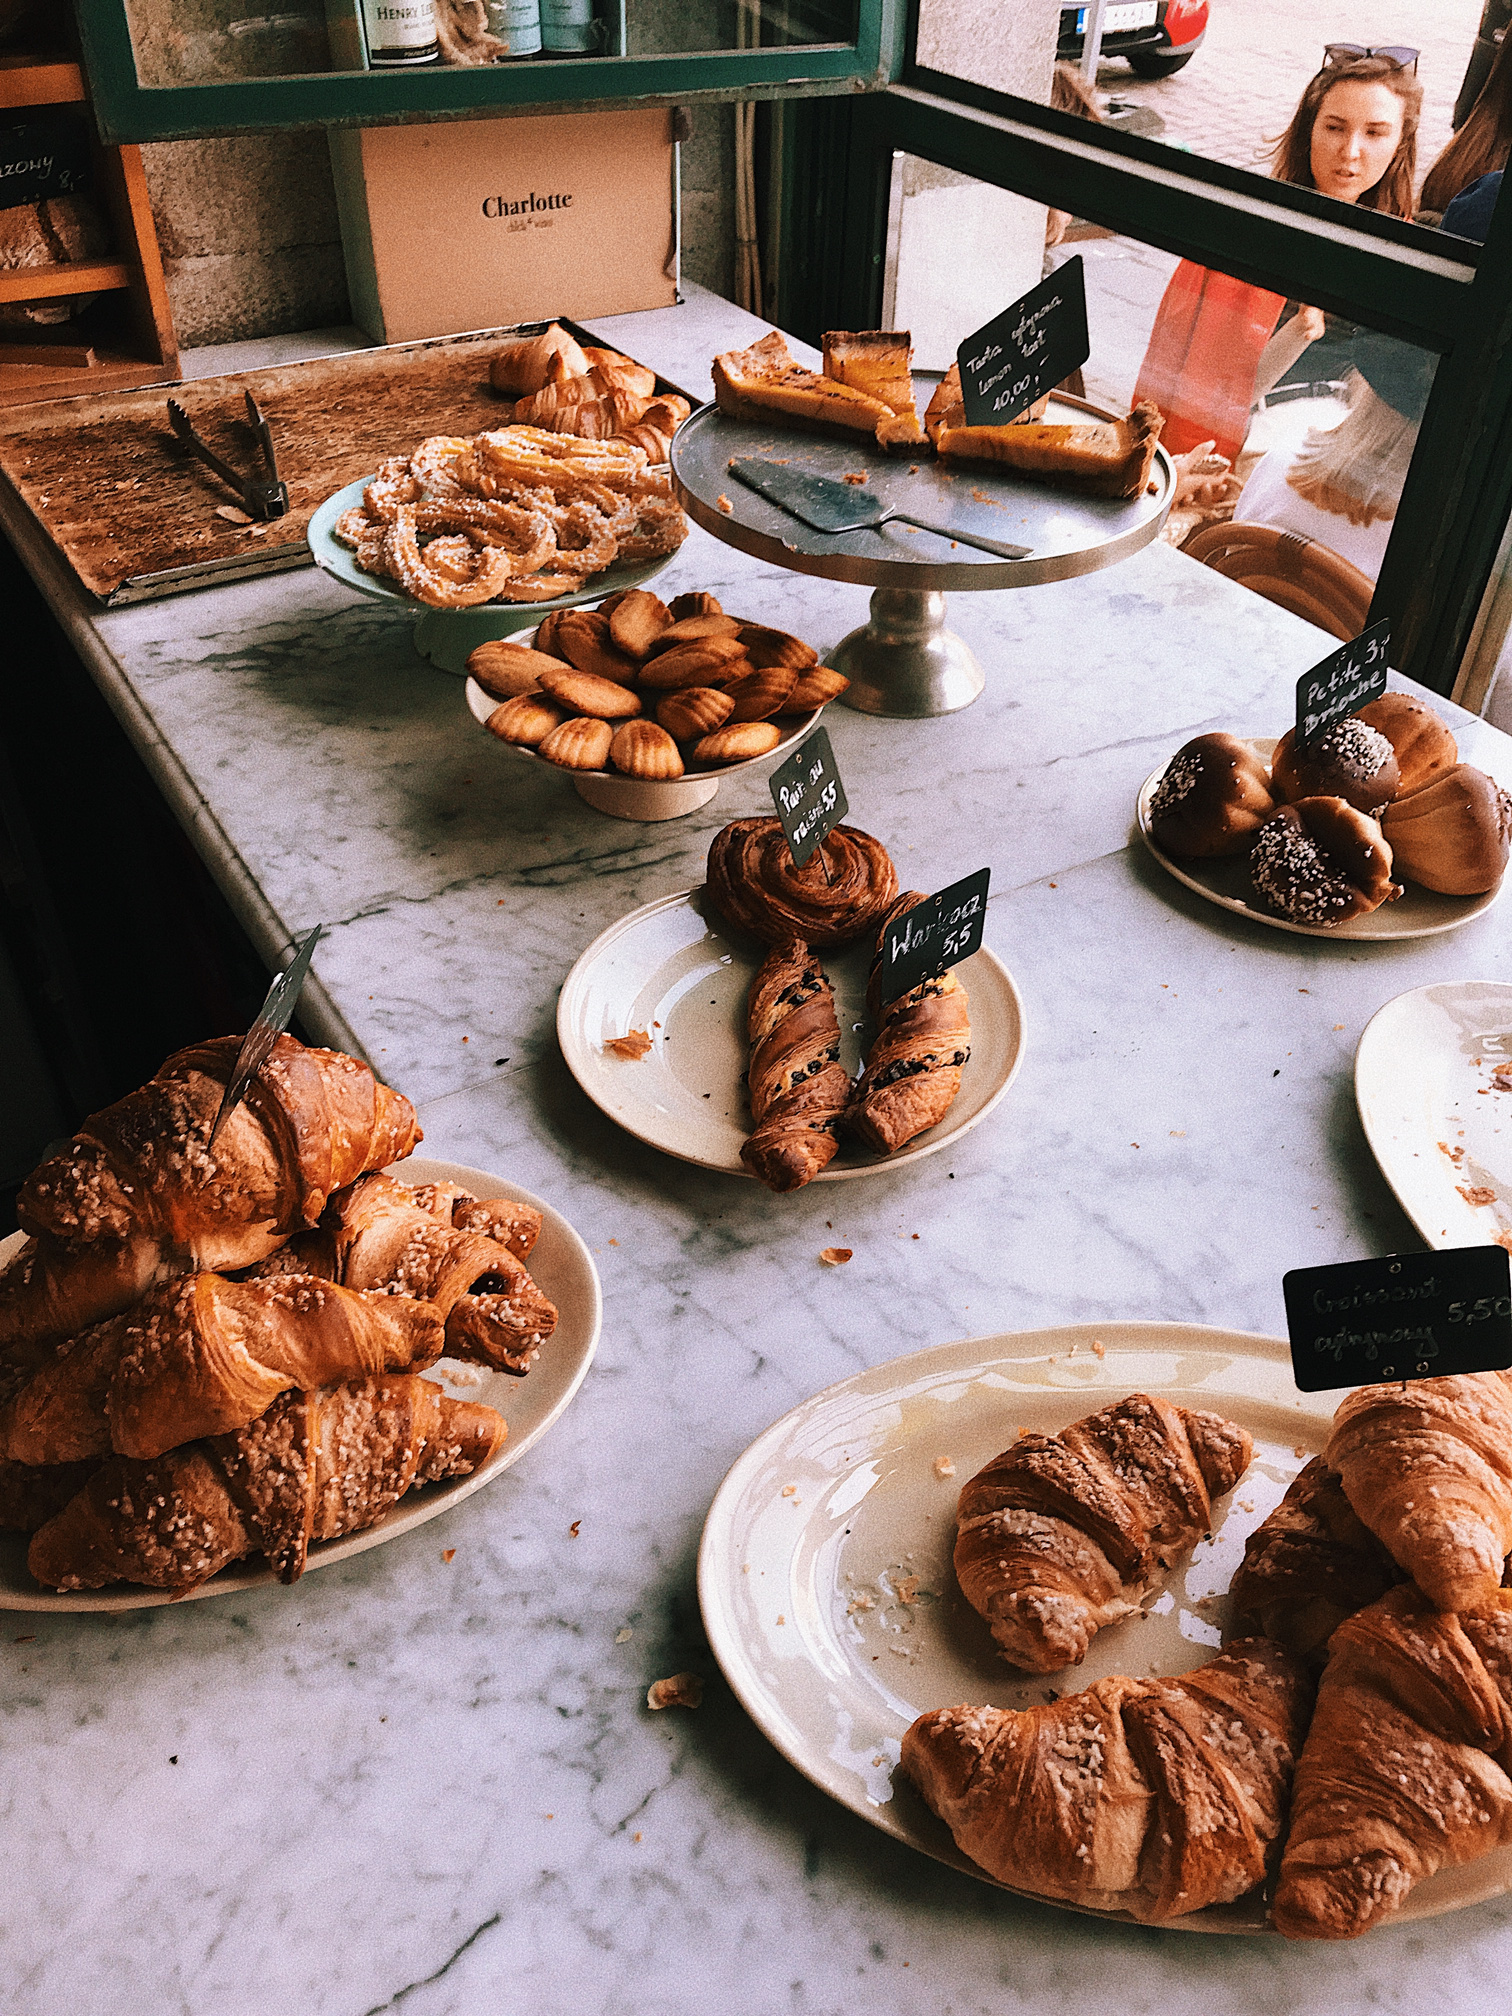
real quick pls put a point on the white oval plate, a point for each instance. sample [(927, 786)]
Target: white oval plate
[(1417, 913), (563, 1266), (1432, 1113), (839, 1502), (678, 975)]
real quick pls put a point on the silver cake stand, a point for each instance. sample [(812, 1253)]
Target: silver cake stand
[(904, 661)]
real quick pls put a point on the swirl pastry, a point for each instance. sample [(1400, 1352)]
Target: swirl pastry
[(756, 886), (1351, 760), (1213, 799), (1452, 835), (913, 1069), (798, 1086), (1322, 862)]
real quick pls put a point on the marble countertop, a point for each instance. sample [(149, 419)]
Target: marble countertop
[(433, 1786)]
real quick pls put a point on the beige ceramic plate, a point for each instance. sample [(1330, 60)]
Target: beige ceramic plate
[(563, 1266), (1417, 913), (1432, 1110), (838, 1504), (669, 970)]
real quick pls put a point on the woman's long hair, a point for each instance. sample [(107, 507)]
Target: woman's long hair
[(1293, 157), (1482, 144)]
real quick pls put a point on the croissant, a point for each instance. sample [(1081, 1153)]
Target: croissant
[(1063, 1534), (49, 1292), (913, 1068), (1309, 1565), (516, 1226), (377, 1237), (1428, 1467), (844, 889), (1155, 1797), (203, 1355), (29, 1496), (798, 1086), (1406, 1767), (318, 1464)]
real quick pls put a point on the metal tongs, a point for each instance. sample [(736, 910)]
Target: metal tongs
[(274, 1016), (262, 496)]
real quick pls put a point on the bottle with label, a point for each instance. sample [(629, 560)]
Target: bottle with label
[(400, 32), (568, 27), (517, 22)]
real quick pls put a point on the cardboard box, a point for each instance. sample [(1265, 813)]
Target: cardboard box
[(477, 223)]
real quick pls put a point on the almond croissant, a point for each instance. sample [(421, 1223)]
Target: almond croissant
[(1309, 1565), (1063, 1534), (1155, 1797)]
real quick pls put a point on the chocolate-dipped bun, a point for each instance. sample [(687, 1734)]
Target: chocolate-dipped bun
[(1352, 761), (1212, 800), (1322, 862), (1454, 834), (755, 885), (1424, 747)]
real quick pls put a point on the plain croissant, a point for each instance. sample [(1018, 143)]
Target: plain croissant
[(1407, 1767), (1063, 1534), (203, 1355), (316, 1465), (1310, 1564), (1155, 1797)]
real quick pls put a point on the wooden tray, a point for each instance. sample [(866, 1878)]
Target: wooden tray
[(137, 517)]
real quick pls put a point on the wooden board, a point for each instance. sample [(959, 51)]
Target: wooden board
[(137, 516)]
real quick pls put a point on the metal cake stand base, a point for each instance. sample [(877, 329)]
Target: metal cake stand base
[(904, 662)]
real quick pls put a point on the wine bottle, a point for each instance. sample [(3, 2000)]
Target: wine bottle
[(400, 32)]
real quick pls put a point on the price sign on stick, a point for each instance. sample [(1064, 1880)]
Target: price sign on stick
[(808, 794), (1409, 1316), (1027, 350), (934, 936), (1342, 683)]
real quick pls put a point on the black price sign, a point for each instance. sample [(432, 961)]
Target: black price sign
[(809, 796), (932, 937), (1409, 1316), (1342, 683), (41, 158), (1027, 350)]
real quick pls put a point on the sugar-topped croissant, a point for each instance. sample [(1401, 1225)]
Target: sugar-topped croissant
[(797, 1085), (1063, 1534), (1310, 1564)]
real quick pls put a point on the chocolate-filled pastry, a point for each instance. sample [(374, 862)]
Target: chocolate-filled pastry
[(1422, 743), (1352, 761), (798, 1086), (913, 1068), (845, 887), (1322, 862), (1453, 834), (1309, 1565), (1213, 799)]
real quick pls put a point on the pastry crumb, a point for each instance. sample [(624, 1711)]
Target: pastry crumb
[(232, 516), (462, 1375), (943, 1467), (836, 1256), (448, 1553), (861, 1602), (854, 476), (790, 1490), (1298, 1451), (682, 1690), (632, 1045), (623, 1635), (1476, 1193), (907, 1588), (724, 503), (573, 1528), (1099, 1349)]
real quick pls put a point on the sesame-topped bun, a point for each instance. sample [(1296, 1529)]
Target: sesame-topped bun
[(1212, 800), (1424, 747), (1321, 861), (1454, 834), (1352, 761)]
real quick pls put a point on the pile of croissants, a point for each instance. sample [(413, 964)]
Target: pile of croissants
[(1343, 1788), (568, 387), (213, 1351)]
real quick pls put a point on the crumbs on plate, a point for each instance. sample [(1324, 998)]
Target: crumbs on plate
[(632, 1045)]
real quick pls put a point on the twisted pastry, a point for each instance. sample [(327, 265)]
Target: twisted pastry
[(1154, 1797), (1309, 1565), (493, 567), (316, 1465), (913, 1068), (798, 1086), (756, 886)]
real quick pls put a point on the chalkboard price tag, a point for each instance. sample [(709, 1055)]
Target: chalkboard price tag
[(809, 796), (1409, 1316), (1342, 683), (932, 937), (1027, 350)]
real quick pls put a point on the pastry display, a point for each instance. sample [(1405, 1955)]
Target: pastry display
[(913, 1067), (1308, 1565), (764, 383), (695, 690), (1213, 799), (1098, 458), (1320, 861), (1155, 1797), (1351, 760), (1453, 833), (843, 890), (1421, 742), (1062, 1535), (797, 1085)]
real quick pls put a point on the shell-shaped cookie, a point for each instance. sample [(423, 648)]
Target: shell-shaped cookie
[(698, 664), (698, 603), (816, 688), (641, 749), (526, 720), (695, 630), (759, 695), (737, 743), (637, 620), (765, 646), (579, 744), (694, 711), (507, 670), (582, 637), (586, 693)]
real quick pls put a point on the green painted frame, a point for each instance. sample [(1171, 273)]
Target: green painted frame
[(128, 110)]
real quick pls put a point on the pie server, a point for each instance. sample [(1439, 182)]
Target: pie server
[(274, 1016), (845, 507)]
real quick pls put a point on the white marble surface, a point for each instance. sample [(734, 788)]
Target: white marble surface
[(434, 1787)]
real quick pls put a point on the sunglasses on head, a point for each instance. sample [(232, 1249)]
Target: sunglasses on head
[(1353, 52)]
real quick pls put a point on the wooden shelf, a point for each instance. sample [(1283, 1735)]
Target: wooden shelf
[(86, 276), (39, 80)]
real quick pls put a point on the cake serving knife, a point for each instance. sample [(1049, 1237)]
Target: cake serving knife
[(274, 1016), (833, 507)]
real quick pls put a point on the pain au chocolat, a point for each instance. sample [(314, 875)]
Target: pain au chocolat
[(1213, 799)]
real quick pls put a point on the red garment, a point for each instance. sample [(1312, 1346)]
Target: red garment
[(1203, 357)]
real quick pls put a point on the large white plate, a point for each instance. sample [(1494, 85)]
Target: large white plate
[(839, 1500), (1431, 1110), (1417, 913), (563, 1266), (676, 973)]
